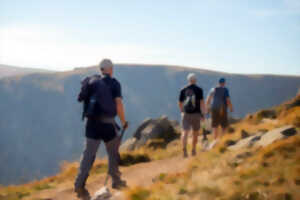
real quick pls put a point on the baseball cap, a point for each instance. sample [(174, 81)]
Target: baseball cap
[(222, 80)]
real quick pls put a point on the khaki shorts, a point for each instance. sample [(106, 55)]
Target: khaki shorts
[(190, 121), (219, 117)]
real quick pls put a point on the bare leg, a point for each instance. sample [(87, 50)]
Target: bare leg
[(224, 129), (195, 140), (215, 132), (184, 137)]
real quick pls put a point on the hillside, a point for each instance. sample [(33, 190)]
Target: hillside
[(9, 71), (41, 119), (266, 169)]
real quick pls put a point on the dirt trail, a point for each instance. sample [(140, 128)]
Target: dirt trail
[(136, 175)]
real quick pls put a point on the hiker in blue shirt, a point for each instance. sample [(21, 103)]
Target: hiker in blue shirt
[(218, 101)]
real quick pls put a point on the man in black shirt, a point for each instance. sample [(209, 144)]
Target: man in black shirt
[(101, 126), (191, 106)]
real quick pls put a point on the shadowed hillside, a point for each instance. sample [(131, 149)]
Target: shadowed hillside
[(41, 125), (8, 71)]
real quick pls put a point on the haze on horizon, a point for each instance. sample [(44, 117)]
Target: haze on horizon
[(231, 36)]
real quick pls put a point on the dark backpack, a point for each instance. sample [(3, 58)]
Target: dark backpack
[(189, 104), (97, 98)]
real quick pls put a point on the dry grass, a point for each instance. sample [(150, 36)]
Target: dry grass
[(68, 173), (210, 177)]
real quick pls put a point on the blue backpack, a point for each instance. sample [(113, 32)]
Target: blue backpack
[(97, 98)]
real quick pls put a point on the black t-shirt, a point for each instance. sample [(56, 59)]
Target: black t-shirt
[(96, 129), (114, 85), (198, 93)]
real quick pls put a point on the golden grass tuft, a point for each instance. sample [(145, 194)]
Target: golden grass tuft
[(138, 193)]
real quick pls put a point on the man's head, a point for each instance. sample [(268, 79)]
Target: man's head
[(222, 82), (192, 78), (106, 67)]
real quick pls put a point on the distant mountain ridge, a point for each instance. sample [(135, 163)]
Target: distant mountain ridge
[(40, 123), (9, 71)]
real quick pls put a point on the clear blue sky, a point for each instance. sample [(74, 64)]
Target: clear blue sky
[(226, 35)]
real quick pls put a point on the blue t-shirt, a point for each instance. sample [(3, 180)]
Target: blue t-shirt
[(220, 95)]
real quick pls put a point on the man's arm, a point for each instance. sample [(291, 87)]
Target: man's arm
[(208, 102), (180, 106), (228, 101), (202, 106), (180, 100), (121, 111)]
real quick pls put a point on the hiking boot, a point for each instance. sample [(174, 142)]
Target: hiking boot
[(82, 193), (193, 152), (119, 184), (185, 154)]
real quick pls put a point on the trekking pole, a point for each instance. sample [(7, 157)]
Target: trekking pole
[(121, 136), (106, 179)]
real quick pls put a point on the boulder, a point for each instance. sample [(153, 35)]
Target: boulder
[(151, 129), (247, 142), (145, 123), (276, 134), (129, 144), (264, 139)]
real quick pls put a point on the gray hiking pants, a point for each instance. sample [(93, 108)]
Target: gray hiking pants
[(89, 156)]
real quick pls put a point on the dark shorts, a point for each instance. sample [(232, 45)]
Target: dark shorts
[(190, 121), (219, 118), (97, 130)]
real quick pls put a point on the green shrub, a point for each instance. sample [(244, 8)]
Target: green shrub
[(182, 191), (42, 187), (231, 130), (128, 159), (270, 114), (140, 194)]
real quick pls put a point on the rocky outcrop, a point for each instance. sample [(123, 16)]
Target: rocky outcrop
[(265, 138), (151, 129), (276, 134)]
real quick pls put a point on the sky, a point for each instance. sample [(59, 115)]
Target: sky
[(235, 36)]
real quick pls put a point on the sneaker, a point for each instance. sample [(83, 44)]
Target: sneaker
[(212, 144), (82, 193), (205, 145), (185, 154), (193, 152), (119, 184)]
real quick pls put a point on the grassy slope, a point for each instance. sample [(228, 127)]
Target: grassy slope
[(268, 173)]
